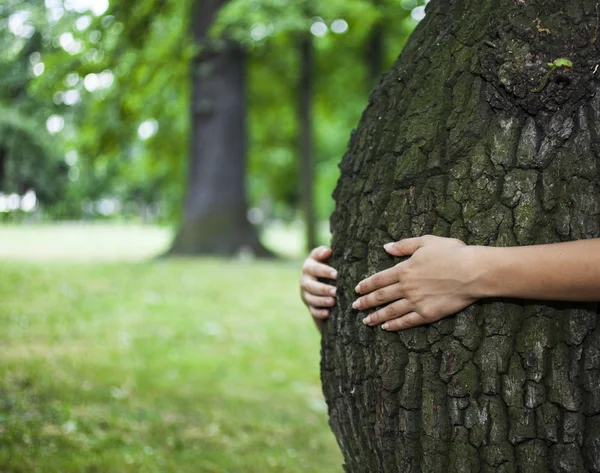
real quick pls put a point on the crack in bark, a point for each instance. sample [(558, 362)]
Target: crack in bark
[(503, 386)]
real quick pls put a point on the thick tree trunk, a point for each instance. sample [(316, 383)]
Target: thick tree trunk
[(215, 214), (306, 139), (473, 135), (374, 51)]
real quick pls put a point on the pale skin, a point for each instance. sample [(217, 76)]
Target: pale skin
[(317, 296), (443, 276)]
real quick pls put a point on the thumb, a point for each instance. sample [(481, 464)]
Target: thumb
[(404, 247)]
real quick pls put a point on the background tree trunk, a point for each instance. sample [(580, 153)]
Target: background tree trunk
[(457, 142), (374, 51), (305, 114), (215, 214)]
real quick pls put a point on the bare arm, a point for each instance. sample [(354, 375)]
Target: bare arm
[(444, 275), (563, 271)]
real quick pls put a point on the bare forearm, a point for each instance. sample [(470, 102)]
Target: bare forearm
[(563, 271)]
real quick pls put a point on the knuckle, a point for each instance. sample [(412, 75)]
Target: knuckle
[(427, 312), (390, 311), (411, 293), (393, 324), (379, 295)]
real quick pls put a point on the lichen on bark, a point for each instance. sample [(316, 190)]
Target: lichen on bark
[(456, 142)]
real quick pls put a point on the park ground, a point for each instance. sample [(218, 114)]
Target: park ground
[(113, 361)]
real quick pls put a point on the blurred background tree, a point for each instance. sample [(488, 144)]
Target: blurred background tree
[(96, 97), (182, 365)]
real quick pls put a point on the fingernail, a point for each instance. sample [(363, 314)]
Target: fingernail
[(356, 304), (357, 288), (385, 326), (388, 246), (332, 291), (323, 251), (325, 313), (367, 320), (333, 274)]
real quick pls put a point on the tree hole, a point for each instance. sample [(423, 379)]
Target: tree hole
[(562, 80)]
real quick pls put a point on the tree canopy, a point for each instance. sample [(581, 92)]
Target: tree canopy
[(95, 94)]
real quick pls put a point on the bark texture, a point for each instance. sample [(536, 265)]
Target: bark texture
[(215, 213), (473, 135)]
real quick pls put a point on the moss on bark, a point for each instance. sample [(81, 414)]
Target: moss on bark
[(457, 142)]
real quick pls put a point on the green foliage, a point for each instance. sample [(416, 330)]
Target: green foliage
[(556, 64), (560, 62), (29, 157), (120, 80), (271, 34)]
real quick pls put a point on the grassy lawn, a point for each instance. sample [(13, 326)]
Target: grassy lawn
[(165, 366)]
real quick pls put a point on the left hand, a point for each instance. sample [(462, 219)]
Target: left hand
[(435, 282)]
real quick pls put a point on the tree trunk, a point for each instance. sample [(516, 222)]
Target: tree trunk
[(215, 213), (374, 51), (473, 135), (306, 139)]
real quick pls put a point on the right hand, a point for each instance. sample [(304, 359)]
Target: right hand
[(316, 295)]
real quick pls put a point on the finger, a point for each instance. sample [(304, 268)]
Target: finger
[(317, 301), (318, 313), (389, 312), (317, 288), (379, 297), (318, 270), (412, 319), (320, 253), (405, 247), (378, 280)]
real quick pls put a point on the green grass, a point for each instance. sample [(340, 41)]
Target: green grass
[(167, 366), (109, 241)]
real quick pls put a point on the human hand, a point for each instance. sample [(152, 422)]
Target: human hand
[(316, 295), (433, 283)]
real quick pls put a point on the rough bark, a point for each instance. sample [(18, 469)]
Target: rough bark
[(472, 135), (215, 212), (306, 139)]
